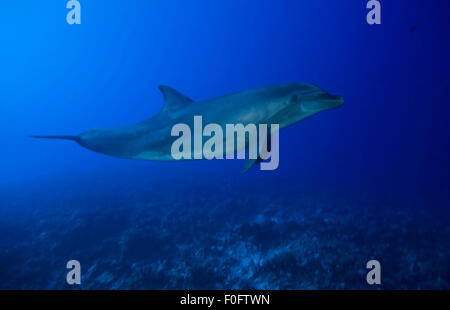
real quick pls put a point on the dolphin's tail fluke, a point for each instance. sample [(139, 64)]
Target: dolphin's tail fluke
[(72, 138)]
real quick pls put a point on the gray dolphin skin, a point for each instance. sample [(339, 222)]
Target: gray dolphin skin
[(151, 139)]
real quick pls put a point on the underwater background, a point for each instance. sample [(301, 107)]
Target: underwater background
[(369, 180)]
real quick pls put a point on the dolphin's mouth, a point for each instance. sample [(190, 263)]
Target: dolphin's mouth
[(334, 101), (324, 102)]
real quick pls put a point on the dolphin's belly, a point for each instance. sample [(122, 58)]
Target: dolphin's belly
[(157, 145)]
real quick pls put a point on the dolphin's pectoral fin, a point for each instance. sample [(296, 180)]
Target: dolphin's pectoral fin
[(250, 163), (173, 99), (267, 147)]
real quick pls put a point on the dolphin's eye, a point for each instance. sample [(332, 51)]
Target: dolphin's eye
[(294, 98)]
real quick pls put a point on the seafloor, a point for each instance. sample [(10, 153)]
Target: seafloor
[(223, 235)]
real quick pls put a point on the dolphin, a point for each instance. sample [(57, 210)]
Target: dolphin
[(283, 104)]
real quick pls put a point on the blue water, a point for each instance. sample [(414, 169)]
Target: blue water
[(369, 180)]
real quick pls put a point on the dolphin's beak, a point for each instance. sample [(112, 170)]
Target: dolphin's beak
[(335, 100)]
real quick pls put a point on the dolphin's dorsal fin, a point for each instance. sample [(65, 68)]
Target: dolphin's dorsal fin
[(173, 99)]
